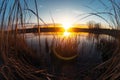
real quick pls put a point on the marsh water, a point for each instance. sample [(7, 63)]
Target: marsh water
[(89, 55)]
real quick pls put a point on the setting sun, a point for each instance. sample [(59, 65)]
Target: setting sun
[(66, 25)]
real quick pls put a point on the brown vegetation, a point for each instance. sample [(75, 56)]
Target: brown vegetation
[(66, 48), (19, 62)]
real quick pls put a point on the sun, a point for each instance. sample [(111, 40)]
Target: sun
[(66, 25)]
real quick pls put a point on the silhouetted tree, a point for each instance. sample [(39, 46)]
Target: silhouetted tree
[(97, 25), (91, 24)]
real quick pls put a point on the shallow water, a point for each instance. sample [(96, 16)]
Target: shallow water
[(88, 55)]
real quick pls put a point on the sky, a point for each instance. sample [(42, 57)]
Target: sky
[(72, 11)]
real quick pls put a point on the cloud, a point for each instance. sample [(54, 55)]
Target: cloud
[(77, 12)]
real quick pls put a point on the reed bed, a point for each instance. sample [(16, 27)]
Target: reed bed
[(110, 69), (19, 62), (66, 46)]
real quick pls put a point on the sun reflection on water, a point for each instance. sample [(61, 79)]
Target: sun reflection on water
[(66, 33), (66, 25)]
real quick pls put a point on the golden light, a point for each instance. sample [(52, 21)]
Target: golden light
[(66, 25), (66, 33)]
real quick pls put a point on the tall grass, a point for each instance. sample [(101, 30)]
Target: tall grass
[(66, 48), (17, 60), (62, 51), (112, 10), (110, 69), (38, 24)]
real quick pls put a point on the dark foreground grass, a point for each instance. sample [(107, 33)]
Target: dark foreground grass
[(19, 62), (109, 69)]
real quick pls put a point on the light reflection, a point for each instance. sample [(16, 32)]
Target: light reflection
[(66, 25), (66, 33)]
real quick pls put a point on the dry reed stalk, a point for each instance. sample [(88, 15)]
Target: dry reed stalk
[(18, 60), (38, 25)]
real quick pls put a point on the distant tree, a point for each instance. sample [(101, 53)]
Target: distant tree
[(97, 25), (91, 24)]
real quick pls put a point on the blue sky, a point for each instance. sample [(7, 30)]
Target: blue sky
[(67, 10)]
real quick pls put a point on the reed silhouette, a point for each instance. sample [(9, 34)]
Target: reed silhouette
[(19, 62)]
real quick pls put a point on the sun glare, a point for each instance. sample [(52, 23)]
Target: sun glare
[(66, 33), (66, 25)]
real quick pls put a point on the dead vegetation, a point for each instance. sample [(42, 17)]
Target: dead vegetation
[(19, 62)]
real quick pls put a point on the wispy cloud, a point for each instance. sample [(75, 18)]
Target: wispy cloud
[(77, 12)]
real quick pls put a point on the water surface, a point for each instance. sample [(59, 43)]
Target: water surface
[(88, 54)]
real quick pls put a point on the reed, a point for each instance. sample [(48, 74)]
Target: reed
[(113, 12), (110, 68), (17, 60), (66, 47)]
